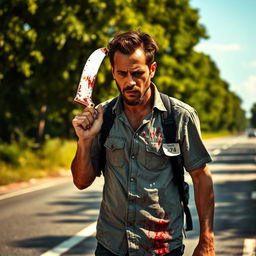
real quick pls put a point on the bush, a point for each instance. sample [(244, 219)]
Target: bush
[(10, 153), (21, 161)]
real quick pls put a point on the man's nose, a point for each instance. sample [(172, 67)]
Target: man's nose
[(131, 80)]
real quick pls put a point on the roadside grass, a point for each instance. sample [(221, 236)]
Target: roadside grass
[(212, 135), (22, 162)]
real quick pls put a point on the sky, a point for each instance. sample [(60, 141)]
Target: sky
[(231, 27)]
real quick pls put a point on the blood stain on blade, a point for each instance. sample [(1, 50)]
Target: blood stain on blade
[(104, 50), (91, 81)]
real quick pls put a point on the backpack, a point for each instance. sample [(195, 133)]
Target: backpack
[(169, 131)]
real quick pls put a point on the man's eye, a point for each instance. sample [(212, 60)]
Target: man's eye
[(137, 74), (121, 73)]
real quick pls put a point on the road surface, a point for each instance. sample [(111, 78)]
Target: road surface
[(54, 218)]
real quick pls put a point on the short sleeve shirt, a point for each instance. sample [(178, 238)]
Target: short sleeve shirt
[(141, 211)]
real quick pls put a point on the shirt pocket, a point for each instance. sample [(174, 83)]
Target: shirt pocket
[(155, 160), (115, 151)]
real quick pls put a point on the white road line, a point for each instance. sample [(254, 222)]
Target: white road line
[(253, 195), (225, 147), (30, 189), (249, 247), (216, 151), (71, 242)]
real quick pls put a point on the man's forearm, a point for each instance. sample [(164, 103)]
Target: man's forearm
[(205, 207), (204, 198), (81, 167)]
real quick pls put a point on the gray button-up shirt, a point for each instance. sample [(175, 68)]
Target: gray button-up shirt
[(141, 211)]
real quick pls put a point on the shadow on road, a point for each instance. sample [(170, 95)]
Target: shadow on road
[(85, 205), (240, 154), (241, 172), (66, 215), (43, 242), (234, 216)]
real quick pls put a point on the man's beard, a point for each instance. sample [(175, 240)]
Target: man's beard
[(133, 102)]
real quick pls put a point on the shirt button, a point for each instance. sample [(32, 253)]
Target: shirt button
[(132, 179)]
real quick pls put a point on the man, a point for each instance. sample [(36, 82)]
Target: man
[(141, 213)]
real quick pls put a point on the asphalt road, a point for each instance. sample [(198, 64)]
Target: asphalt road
[(234, 176), (37, 220)]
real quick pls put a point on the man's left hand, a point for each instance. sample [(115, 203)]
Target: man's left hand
[(203, 250)]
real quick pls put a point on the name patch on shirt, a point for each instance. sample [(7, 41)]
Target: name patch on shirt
[(171, 149)]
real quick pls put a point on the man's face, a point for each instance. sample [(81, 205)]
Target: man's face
[(133, 76)]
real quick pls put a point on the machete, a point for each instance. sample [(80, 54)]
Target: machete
[(88, 77)]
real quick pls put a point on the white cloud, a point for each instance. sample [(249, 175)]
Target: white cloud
[(250, 85), (218, 47), (252, 64)]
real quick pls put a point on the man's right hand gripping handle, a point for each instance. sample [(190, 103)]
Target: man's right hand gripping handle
[(87, 125)]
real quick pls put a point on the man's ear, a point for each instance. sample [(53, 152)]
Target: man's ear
[(153, 67)]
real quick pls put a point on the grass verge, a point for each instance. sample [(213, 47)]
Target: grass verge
[(212, 135), (21, 162)]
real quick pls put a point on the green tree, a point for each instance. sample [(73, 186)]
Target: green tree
[(253, 118), (44, 45)]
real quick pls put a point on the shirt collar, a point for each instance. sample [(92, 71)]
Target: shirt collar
[(158, 103)]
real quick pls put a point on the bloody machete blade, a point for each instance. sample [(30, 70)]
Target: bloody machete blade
[(88, 77)]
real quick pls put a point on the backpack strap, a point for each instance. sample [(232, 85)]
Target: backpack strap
[(170, 132), (168, 121), (108, 121)]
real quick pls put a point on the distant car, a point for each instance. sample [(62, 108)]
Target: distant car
[(251, 132)]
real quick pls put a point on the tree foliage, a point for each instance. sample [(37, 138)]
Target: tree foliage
[(44, 44), (253, 118)]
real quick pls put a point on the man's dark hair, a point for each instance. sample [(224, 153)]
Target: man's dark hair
[(128, 42)]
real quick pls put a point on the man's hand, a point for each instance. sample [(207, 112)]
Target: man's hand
[(88, 124), (204, 250)]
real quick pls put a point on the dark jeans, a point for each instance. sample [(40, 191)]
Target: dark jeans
[(102, 251)]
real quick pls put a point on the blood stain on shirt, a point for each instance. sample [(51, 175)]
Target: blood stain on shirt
[(159, 234)]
